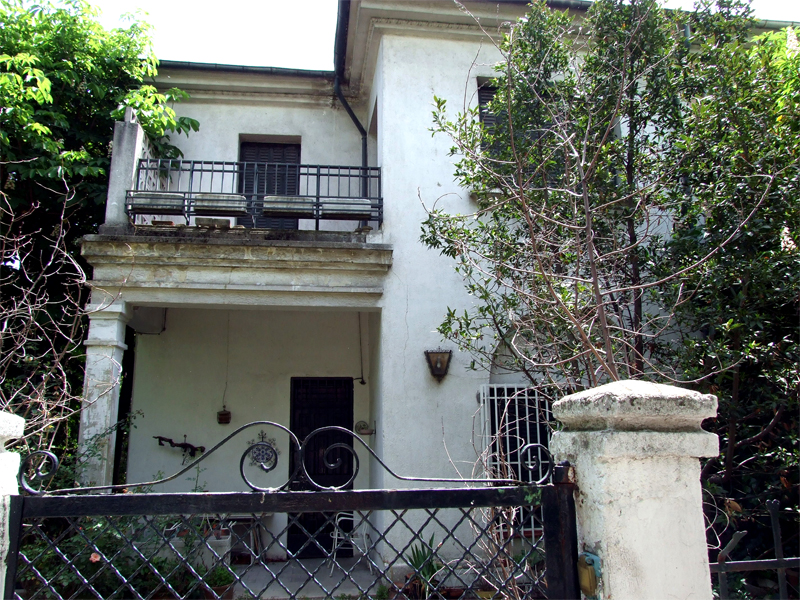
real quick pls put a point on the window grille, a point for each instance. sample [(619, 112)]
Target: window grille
[(513, 416)]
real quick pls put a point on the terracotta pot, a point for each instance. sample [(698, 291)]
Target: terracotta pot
[(451, 592), (222, 591)]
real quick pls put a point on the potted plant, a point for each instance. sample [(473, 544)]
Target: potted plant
[(219, 583), (422, 560)]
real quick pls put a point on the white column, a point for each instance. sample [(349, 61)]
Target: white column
[(104, 348), (635, 447), (127, 149), (11, 426)]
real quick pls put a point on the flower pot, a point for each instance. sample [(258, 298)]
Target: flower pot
[(220, 591)]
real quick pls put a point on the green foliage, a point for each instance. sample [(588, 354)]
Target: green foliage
[(573, 186), (219, 576), (64, 80), (742, 161), (422, 560), (638, 217), (98, 544)]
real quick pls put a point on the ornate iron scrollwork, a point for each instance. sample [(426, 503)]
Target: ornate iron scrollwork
[(263, 455), (535, 462), (42, 471)]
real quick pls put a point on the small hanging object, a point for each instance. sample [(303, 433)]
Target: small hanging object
[(224, 416)]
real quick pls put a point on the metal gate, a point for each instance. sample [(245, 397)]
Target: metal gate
[(443, 542)]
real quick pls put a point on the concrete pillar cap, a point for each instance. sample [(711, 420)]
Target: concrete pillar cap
[(11, 426), (632, 405)]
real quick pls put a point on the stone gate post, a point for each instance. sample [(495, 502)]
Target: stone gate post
[(636, 448), (11, 426)]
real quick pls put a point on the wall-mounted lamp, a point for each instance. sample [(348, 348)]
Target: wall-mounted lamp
[(363, 428), (438, 362)]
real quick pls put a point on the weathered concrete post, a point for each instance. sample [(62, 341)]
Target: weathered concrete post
[(11, 426), (128, 145), (104, 348), (635, 447)]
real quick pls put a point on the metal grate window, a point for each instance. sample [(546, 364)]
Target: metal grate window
[(513, 416)]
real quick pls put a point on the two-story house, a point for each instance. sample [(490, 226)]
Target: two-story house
[(275, 273)]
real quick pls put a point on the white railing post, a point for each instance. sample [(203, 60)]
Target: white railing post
[(635, 447), (11, 427)]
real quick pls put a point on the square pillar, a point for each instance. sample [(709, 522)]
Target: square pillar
[(129, 141), (635, 447), (104, 348)]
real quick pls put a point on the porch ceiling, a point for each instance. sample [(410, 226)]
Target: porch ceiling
[(232, 270)]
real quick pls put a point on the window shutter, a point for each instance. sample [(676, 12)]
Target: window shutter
[(485, 95), (280, 176)]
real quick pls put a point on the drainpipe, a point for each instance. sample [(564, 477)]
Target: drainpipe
[(340, 50), (364, 162)]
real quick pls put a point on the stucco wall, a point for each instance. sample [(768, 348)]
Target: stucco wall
[(323, 129), (421, 416), (180, 375), (327, 135)]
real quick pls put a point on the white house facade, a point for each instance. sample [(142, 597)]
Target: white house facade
[(275, 273)]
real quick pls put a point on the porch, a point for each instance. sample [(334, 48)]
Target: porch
[(213, 313), (290, 579)]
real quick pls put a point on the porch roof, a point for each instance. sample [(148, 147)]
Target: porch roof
[(187, 267)]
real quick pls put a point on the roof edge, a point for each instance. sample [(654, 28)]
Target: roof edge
[(196, 66)]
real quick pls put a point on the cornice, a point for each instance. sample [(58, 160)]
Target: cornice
[(154, 271), (102, 250), (258, 98), (380, 26)]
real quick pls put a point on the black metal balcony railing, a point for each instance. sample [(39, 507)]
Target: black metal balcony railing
[(251, 191)]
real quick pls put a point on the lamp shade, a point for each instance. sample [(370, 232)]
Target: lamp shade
[(438, 362)]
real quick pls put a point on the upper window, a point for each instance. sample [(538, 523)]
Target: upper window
[(486, 93)]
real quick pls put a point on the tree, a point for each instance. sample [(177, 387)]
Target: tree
[(575, 188), (743, 164), (637, 218), (63, 82)]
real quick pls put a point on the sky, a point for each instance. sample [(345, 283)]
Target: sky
[(295, 34)]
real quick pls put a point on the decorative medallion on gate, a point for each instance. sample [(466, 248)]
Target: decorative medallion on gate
[(264, 451)]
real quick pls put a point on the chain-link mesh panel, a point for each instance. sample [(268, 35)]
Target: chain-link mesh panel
[(387, 553)]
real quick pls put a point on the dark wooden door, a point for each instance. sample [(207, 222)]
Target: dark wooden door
[(320, 402)]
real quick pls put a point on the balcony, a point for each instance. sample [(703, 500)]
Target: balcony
[(257, 195)]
